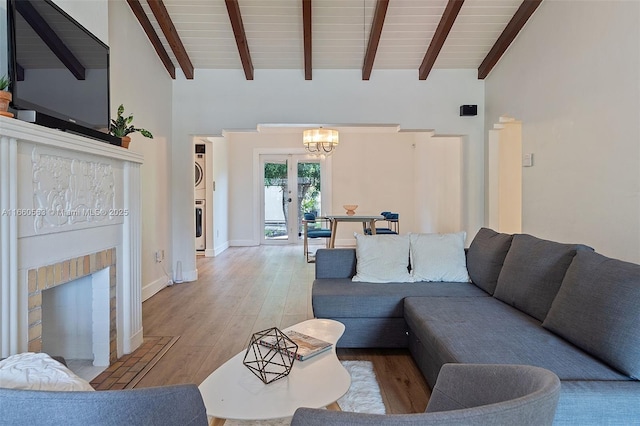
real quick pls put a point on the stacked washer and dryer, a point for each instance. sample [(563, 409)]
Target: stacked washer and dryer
[(201, 192)]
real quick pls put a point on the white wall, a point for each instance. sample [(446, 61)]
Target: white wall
[(378, 169), (140, 82), (573, 78), (223, 99)]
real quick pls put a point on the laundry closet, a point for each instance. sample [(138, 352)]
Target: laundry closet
[(200, 196)]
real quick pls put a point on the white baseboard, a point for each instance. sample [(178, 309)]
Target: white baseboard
[(189, 276), (221, 248), (243, 243), (153, 287)]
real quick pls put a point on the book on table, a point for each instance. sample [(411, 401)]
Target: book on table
[(308, 346)]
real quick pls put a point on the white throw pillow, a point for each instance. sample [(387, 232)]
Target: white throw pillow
[(382, 258), (439, 257), (38, 371)]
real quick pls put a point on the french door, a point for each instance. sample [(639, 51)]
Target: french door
[(291, 186)]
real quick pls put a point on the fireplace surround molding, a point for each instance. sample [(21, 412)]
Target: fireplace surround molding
[(69, 205)]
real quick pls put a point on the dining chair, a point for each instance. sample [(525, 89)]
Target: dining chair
[(313, 228), (393, 224)]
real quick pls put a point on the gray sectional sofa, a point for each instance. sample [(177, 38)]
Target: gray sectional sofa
[(559, 306)]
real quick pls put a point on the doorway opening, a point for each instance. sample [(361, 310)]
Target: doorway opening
[(291, 186), (504, 183)]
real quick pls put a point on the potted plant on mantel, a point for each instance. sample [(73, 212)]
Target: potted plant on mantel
[(5, 96), (121, 127)]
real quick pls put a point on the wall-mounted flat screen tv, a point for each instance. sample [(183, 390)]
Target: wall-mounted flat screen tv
[(58, 69)]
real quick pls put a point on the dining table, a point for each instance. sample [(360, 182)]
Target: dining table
[(364, 219)]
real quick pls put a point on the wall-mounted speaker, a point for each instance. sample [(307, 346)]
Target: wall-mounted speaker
[(468, 110)]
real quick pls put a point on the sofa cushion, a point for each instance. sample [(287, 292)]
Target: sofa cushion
[(342, 298), (382, 258), (438, 257), (486, 331), (597, 309), (486, 256), (335, 263), (532, 273)]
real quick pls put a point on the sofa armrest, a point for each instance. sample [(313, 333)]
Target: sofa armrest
[(335, 263), (166, 405)]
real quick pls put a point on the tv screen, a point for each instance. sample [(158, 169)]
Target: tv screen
[(57, 66)]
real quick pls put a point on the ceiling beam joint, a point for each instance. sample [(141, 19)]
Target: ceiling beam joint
[(139, 12), (241, 38), (171, 34), (374, 37), (442, 32), (306, 29), (510, 32)]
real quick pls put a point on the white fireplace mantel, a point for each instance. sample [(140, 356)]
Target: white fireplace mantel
[(63, 196)]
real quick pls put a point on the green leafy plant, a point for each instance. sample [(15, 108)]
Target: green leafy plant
[(4, 82), (121, 126)]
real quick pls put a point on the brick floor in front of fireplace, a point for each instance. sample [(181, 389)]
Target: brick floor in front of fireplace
[(128, 370)]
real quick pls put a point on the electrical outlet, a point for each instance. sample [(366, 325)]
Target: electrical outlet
[(158, 257)]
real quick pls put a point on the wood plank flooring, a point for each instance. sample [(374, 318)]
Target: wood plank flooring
[(248, 289)]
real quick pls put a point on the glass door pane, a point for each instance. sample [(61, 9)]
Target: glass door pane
[(308, 190), (276, 200), (290, 187)]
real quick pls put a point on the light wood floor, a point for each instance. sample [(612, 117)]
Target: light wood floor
[(248, 289)]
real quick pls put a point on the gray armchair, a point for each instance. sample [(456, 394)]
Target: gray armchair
[(166, 405), (466, 394)]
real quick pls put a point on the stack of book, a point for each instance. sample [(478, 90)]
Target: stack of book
[(308, 346)]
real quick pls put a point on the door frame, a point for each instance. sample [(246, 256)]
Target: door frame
[(292, 189), (325, 179)]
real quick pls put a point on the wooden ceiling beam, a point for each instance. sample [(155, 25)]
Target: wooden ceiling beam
[(306, 29), (241, 39), (374, 37), (50, 38), (138, 11), (510, 32), (442, 32), (171, 34)]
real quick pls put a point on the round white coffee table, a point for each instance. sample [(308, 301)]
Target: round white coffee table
[(234, 392)]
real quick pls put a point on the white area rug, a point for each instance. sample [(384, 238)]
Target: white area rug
[(363, 396)]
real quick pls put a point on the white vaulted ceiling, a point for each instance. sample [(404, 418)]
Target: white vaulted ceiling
[(340, 32)]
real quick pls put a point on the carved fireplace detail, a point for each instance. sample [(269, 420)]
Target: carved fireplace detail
[(69, 206)]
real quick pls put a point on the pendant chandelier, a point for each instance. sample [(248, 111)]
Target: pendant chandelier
[(320, 141)]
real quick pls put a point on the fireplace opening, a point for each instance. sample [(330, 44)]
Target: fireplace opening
[(75, 322)]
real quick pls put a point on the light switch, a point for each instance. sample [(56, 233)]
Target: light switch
[(527, 160)]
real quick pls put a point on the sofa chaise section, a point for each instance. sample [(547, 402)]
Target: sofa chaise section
[(485, 330)]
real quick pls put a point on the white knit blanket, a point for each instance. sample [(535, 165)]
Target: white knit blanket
[(38, 371)]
